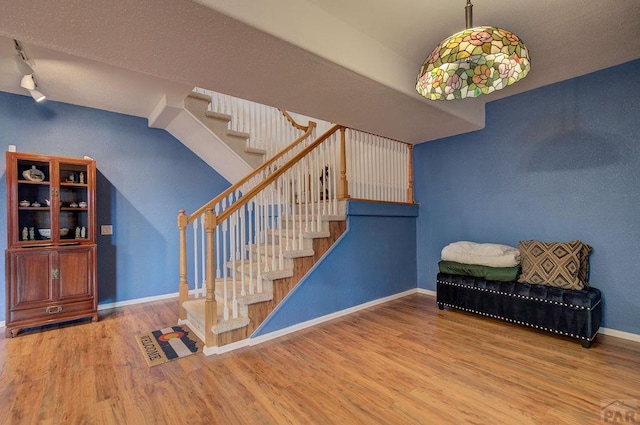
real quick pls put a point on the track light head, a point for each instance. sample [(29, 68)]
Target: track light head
[(38, 96), (27, 82)]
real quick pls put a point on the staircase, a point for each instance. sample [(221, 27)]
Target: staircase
[(252, 244), (261, 292)]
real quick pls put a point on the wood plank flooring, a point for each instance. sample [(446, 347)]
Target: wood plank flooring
[(404, 362)]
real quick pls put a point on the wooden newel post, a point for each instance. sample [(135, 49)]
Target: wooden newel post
[(343, 186), (183, 286), (410, 176), (211, 308)]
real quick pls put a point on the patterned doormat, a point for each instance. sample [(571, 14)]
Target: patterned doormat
[(168, 344)]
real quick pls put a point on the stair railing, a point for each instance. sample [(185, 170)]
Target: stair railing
[(250, 230), (269, 128), (379, 169)]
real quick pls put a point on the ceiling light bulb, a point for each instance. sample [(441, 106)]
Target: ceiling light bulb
[(37, 96), (27, 82)]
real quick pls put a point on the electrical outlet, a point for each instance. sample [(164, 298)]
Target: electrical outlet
[(106, 229)]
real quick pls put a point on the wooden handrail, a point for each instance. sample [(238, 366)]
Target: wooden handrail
[(294, 122), (236, 186), (266, 182)]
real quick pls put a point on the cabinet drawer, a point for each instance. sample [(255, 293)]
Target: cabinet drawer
[(52, 311)]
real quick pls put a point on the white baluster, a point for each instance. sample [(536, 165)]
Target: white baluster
[(299, 199), (251, 242), (225, 234), (286, 183), (195, 258), (359, 159), (272, 226), (241, 222), (258, 231), (265, 226), (377, 148), (234, 280), (278, 185)]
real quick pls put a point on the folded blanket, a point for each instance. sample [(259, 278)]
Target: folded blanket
[(492, 255), (501, 274)]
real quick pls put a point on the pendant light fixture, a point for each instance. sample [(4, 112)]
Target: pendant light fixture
[(478, 60)]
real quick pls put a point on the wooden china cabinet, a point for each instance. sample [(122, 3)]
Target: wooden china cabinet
[(50, 261)]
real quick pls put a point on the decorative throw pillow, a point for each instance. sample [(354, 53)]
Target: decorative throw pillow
[(562, 264), (583, 273)]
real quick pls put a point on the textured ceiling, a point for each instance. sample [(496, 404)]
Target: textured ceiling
[(352, 62)]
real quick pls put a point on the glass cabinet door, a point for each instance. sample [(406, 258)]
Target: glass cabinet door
[(73, 202), (34, 202)]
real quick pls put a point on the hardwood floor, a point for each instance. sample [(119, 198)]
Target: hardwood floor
[(404, 362)]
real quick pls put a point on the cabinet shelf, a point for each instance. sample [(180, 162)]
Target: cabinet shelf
[(52, 279), (43, 183), (67, 184)]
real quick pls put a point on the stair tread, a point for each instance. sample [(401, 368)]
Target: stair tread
[(248, 299), (255, 151), (200, 96), (305, 234), (218, 115), (286, 253), (323, 217), (196, 308), (236, 133)]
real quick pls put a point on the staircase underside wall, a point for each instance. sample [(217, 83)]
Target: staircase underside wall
[(281, 287), (375, 258)]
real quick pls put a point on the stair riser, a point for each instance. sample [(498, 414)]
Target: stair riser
[(196, 322), (294, 243), (319, 208), (267, 286), (265, 261)]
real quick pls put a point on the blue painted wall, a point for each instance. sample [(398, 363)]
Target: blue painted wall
[(364, 266), (556, 164), (141, 172)]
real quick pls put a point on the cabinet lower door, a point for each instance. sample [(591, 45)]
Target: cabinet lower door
[(48, 285), (31, 276), (75, 273)]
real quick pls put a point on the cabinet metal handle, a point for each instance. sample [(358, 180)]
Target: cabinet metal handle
[(53, 310), (55, 273)]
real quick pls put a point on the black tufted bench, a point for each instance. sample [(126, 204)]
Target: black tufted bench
[(572, 313)]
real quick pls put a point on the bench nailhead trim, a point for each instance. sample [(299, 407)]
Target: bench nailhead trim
[(517, 321), (543, 300)]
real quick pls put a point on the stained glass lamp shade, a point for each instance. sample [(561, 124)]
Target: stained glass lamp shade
[(472, 62)]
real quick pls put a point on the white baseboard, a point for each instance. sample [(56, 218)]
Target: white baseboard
[(116, 304), (619, 334), (282, 332), (426, 292)]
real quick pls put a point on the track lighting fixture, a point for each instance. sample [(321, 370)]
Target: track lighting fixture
[(28, 80)]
